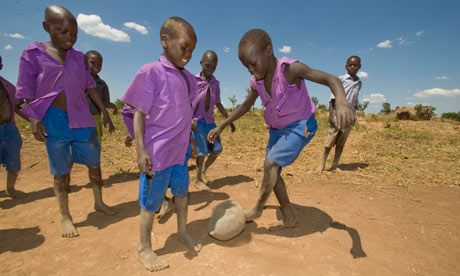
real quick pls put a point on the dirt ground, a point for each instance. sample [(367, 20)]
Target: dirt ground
[(394, 210)]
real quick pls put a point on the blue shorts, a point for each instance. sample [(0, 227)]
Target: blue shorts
[(285, 145), (10, 147), (201, 138), (175, 177), (85, 147)]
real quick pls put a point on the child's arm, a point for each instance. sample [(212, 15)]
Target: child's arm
[(299, 70), (224, 113), (144, 160), (38, 129), (239, 111), (17, 110), (97, 100)]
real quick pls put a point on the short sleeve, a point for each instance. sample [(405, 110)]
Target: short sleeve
[(26, 87), (90, 82), (140, 93)]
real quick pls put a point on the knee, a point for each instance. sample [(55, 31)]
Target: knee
[(270, 165)]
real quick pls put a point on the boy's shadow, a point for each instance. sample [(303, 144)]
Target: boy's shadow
[(120, 178), (353, 166), (100, 220), (310, 220), (19, 240), (229, 181)]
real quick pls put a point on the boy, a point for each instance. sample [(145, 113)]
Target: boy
[(351, 84), (10, 139), (53, 77), (289, 112), (164, 90), (208, 96), (95, 59)]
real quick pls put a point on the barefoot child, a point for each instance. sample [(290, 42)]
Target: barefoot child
[(208, 96), (289, 112), (164, 90), (53, 77), (10, 140), (95, 59), (336, 137)]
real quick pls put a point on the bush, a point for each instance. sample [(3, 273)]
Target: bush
[(451, 115)]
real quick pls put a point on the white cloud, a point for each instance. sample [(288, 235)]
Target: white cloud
[(227, 49), (402, 40), (374, 98), (419, 34), (15, 35), (143, 30), (434, 92), (362, 74), (285, 49), (384, 44), (441, 78), (410, 104), (92, 24), (8, 47)]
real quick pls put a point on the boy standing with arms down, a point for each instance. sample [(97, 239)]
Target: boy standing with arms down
[(336, 137), (10, 139), (164, 90), (53, 78), (207, 97), (95, 59)]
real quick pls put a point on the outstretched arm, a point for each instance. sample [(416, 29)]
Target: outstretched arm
[(299, 70), (239, 111), (144, 160), (97, 100), (224, 113)]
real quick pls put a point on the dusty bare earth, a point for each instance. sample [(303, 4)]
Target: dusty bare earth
[(393, 211)]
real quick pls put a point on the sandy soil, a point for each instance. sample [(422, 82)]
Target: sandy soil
[(350, 223)]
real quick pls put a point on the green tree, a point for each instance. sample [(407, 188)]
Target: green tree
[(386, 108), (322, 107), (233, 100), (119, 104), (424, 112), (315, 101), (362, 106)]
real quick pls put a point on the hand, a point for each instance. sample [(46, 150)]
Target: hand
[(128, 141), (38, 129), (232, 127), (114, 107), (107, 121), (144, 161), (194, 126), (213, 134), (344, 116)]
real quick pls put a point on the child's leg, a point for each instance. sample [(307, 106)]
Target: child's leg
[(200, 183), (289, 219), (96, 182), (211, 158), (10, 182), (60, 184), (322, 163), (184, 237), (338, 154), (269, 181), (144, 250)]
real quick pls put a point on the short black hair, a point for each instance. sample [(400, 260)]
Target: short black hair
[(211, 54), (258, 37), (57, 12), (93, 52), (354, 57), (170, 25)]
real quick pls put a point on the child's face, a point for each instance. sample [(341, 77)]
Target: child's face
[(96, 63), (352, 66), (63, 33), (208, 66), (255, 59), (178, 48)]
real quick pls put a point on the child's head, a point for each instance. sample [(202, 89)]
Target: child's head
[(208, 63), (61, 26), (178, 39), (256, 52), (95, 59), (353, 65)]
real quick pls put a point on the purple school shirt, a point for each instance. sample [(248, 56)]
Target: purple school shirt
[(287, 103), (127, 113), (42, 78), (159, 91), (200, 99), (9, 87)]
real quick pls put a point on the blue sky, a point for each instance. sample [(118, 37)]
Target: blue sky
[(409, 49)]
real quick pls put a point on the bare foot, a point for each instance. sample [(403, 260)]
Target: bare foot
[(252, 213), (68, 229), (166, 207), (282, 224), (105, 209), (15, 193), (149, 259), (319, 170), (204, 178), (190, 242), (201, 186), (336, 168)]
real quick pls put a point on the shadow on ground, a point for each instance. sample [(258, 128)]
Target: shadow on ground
[(20, 239), (353, 166), (229, 181)]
